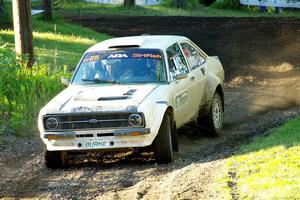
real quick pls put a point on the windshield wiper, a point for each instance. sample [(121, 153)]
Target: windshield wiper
[(97, 80)]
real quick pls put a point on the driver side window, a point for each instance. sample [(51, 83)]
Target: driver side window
[(177, 63), (192, 56)]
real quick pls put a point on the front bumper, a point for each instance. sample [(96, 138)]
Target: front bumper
[(97, 139)]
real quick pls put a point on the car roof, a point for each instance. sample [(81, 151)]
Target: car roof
[(143, 41)]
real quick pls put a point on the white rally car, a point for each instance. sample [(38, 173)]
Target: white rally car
[(133, 92)]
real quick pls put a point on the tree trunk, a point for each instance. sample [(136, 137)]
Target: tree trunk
[(23, 29), (48, 10), (129, 2)]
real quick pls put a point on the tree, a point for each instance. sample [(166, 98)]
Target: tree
[(2, 4), (129, 2), (48, 10), (23, 29)]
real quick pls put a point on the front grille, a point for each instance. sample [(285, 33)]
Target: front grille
[(89, 121)]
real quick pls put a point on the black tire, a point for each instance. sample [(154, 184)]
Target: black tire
[(213, 121), (163, 151), (175, 145), (56, 159)]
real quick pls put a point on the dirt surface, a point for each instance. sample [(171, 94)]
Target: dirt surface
[(262, 64)]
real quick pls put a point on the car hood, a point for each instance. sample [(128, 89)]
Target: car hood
[(100, 98)]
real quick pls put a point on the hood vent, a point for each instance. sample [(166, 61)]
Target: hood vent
[(130, 92), (124, 46), (113, 98)]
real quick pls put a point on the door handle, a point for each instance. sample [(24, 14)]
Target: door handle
[(192, 78)]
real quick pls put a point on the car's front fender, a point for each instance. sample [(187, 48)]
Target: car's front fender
[(154, 113)]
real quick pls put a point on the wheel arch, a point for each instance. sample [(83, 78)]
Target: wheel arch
[(170, 112), (220, 91)]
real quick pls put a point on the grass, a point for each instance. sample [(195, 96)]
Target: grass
[(57, 43), (201, 10), (267, 168)]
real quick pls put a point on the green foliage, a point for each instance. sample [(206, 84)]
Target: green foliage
[(58, 46), (4, 16), (181, 3), (24, 91), (226, 4), (71, 1)]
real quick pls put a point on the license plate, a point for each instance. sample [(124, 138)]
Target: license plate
[(95, 144)]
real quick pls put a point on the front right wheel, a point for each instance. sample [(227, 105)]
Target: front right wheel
[(163, 151)]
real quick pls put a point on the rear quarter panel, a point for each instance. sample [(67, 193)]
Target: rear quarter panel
[(215, 76)]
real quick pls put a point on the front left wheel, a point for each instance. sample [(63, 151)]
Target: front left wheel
[(56, 159), (163, 151)]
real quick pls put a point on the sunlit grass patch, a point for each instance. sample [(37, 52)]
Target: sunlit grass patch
[(81, 7), (53, 37), (272, 173), (160, 10), (58, 43), (269, 167), (63, 43)]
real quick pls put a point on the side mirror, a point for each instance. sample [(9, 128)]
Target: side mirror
[(180, 76), (65, 81)]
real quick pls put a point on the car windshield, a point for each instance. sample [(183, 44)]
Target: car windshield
[(121, 66)]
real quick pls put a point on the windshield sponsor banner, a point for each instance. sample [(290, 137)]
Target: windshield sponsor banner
[(137, 53), (146, 55), (273, 3)]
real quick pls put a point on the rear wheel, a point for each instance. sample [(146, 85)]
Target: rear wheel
[(213, 121), (56, 159), (163, 151)]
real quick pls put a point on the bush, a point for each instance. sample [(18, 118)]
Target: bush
[(207, 2), (4, 18), (227, 4), (71, 1), (181, 3), (24, 91)]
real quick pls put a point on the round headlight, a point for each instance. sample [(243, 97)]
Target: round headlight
[(135, 120), (51, 123)]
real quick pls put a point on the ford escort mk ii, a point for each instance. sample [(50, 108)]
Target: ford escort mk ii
[(131, 93)]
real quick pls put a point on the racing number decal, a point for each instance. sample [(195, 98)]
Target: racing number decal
[(92, 58), (181, 99)]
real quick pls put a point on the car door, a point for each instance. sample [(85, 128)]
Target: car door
[(197, 77), (179, 84)]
